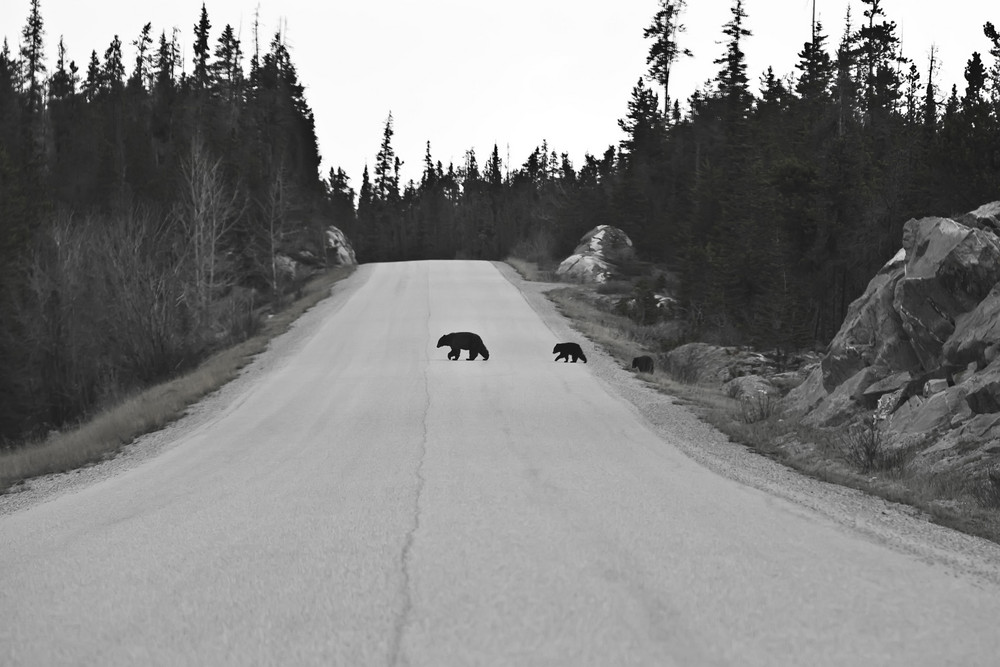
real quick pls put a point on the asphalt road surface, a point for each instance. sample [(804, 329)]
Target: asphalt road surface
[(361, 500)]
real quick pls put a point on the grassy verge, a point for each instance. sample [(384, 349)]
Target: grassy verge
[(532, 271), (859, 460), (105, 434)]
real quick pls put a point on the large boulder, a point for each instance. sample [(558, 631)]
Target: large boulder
[(702, 363), (950, 268), (599, 257), (873, 333), (339, 248), (921, 346), (975, 333)]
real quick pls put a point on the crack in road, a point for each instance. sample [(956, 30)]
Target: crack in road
[(403, 617)]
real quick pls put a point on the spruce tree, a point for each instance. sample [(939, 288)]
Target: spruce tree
[(33, 56), (200, 76), (665, 50)]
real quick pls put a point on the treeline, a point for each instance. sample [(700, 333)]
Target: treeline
[(143, 205), (775, 209)]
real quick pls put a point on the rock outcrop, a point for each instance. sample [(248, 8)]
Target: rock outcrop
[(339, 250), (303, 259), (921, 345), (738, 371), (599, 257)]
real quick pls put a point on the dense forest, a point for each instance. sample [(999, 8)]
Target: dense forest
[(143, 205), (144, 199)]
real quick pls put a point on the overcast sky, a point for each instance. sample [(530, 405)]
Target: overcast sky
[(470, 73)]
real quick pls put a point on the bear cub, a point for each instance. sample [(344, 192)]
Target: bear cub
[(464, 340), (643, 364), (568, 351)]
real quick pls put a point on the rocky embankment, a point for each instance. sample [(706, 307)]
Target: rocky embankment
[(919, 351), (918, 354)]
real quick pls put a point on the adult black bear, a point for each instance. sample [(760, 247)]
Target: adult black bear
[(567, 350), (464, 340), (644, 364)]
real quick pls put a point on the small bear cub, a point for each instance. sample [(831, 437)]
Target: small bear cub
[(568, 351), (643, 364)]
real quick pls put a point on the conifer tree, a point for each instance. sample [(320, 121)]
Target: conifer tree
[(878, 49), (732, 82), (816, 68), (386, 184), (63, 81), (227, 70), (200, 76), (141, 71), (994, 37), (113, 72), (665, 50), (33, 56)]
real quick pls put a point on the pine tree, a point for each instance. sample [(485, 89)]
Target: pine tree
[(642, 125), (200, 76), (816, 68), (732, 82), (930, 115), (227, 70), (664, 51), (994, 74), (143, 59), (113, 72), (92, 84), (63, 81), (878, 49), (386, 184), (33, 55)]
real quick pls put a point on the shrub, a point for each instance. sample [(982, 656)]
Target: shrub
[(987, 492), (641, 307), (685, 372), (538, 248), (758, 407), (867, 449)]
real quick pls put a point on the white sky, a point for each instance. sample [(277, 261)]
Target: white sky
[(470, 73)]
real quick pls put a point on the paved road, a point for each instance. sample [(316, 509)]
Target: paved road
[(365, 501)]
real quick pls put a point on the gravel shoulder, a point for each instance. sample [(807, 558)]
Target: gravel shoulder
[(893, 525)]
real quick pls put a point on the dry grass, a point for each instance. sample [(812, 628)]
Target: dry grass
[(103, 436), (623, 337), (864, 460), (532, 271)]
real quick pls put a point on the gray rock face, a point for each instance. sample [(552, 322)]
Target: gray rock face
[(919, 344), (950, 268), (599, 256), (975, 332), (872, 333), (739, 371), (339, 248), (749, 386)]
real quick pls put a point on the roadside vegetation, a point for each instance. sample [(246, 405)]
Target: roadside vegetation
[(104, 434), (862, 458)]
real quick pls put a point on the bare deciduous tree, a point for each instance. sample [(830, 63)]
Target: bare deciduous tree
[(208, 209)]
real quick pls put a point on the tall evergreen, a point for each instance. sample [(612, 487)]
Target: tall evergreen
[(200, 76), (33, 56), (665, 50)]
